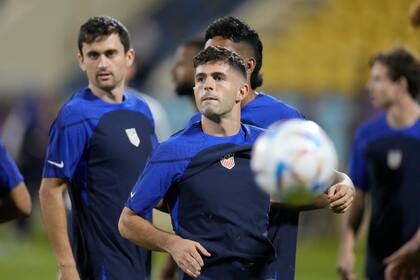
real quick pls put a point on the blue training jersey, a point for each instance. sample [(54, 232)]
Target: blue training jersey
[(10, 176), (385, 163), (262, 111), (101, 149), (208, 185)]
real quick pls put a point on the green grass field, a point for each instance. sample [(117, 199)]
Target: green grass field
[(31, 259)]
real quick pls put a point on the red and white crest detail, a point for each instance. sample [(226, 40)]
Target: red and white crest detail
[(228, 161)]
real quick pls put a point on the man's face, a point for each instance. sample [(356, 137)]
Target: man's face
[(381, 88), (183, 69), (217, 89), (105, 62), (239, 48)]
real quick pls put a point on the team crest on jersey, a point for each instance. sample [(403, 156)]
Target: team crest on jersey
[(228, 161), (394, 159), (132, 136)]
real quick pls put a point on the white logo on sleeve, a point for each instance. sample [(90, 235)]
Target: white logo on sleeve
[(132, 194), (58, 164), (132, 136)]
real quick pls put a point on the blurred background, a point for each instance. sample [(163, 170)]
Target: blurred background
[(316, 55)]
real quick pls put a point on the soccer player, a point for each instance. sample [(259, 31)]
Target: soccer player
[(384, 166), (219, 215), (261, 109), (183, 68), (97, 149), (14, 196)]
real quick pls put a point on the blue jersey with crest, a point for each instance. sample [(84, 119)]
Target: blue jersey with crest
[(262, 111), (385, 163), (101, 149), (10, 176), (208, 185)]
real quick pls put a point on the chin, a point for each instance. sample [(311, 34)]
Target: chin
[(210, 114)]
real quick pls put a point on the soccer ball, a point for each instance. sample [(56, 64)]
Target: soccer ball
[(294, 161)]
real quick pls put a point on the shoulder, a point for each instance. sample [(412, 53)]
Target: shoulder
[(195, 118), (182, 145), (251, 132), (279, 106), (138, 102), (371, 128), (75, 110)]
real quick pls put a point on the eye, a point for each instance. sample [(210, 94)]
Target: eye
[(93, 55), (218, 77), (111, 53)]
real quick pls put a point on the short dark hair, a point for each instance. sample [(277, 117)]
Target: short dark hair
[(236, 30), (400, 62), (98, 27), (216, 54)]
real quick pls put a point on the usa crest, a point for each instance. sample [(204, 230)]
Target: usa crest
[(228, 161), (394, 159), (132, 136)]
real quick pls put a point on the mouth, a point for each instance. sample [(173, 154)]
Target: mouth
[(208, 98), (104, 75)]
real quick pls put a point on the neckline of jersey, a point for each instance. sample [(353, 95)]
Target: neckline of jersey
[(402, 129), (89, 92)]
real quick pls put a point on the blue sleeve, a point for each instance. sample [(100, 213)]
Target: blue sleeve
[(67, 142), (357, 165), (10, 176), (158, 176)]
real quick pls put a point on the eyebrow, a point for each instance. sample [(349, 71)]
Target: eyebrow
[(200, 75), (112, 50)]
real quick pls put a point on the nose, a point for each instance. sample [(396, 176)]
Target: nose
[(209, 84), (103, 61)]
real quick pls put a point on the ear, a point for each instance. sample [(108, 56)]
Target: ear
[(242, 92), (81, 60), (251, 62), (130, 55), (403, 84)]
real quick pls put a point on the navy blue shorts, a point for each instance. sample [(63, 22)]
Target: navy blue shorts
[(234, 270)]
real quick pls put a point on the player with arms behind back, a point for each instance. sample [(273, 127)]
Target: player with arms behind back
[(98, 146)]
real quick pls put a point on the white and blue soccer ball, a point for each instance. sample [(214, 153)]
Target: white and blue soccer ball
[(294, 161)]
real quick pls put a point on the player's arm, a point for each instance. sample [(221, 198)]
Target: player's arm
[(15, 204), (339, 196), (55, 220), (186, 253), (350, 226)]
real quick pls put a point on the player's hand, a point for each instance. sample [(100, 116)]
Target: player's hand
[(187, 255), (345, 266), (340, 197), (68, 273), (405, 262)]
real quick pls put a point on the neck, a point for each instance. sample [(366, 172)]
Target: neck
[(403, 114), (226, 125), (114, 96), (251, 96)]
